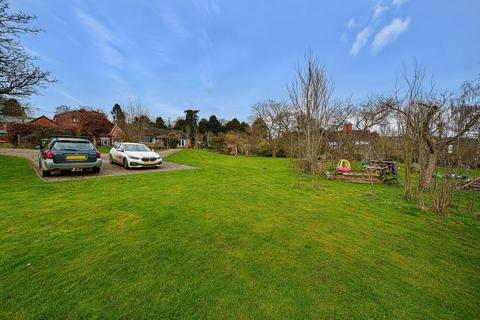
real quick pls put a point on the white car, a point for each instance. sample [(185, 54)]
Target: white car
[(134, 155)]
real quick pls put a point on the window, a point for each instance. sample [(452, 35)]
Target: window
[(74, 119), (73, 146), (136, 147)]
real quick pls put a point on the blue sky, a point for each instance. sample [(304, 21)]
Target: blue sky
[(223, 56)]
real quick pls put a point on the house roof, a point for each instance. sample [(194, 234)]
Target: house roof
[(73, 113), (156, 132), (354, 134), (164, 132), (116, 130), (13, 119), (45, 117), (66, 112)]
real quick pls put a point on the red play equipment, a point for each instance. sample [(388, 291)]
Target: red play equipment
[(343, 166)]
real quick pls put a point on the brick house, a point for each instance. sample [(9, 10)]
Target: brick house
[(161, 138), (43, 121), (115, 135), (349, 143), (68, 120)]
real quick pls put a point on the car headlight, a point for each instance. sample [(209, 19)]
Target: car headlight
[(134, 158)]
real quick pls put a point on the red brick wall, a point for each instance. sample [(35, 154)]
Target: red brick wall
[(3, 126), (347, 128), (44, 122), (67, 120)]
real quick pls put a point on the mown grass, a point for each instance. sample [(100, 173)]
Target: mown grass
[(236, 238), (104, 149)]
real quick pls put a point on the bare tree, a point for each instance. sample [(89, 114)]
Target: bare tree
[(425, 118), (404, 105), (310, 95), (275, 115), (137, 119), (19, 77), (370, 113)]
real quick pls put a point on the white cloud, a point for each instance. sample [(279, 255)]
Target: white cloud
[(106, 40), (390, 32), (351, 23), (68, 96), (360, 40), (378, 10), (398, 3)]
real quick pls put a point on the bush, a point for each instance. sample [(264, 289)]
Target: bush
[(30, 135), (442, 196), (173, 143), (15, 129), (305, 166)]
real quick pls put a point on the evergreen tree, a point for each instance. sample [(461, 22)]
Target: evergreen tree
[(118, 115), (160, 123)]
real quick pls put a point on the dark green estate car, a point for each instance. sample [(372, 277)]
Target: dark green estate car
[(67, 154)]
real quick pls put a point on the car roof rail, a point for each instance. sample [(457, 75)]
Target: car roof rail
[(67, 136)]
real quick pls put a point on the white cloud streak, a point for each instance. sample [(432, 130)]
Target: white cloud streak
[(68, 96), (398, 3), (390, 32), (378, 10), (107, 41), (360, 40), (352, 23)]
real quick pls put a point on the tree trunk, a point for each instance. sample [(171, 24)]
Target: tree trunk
[(431, 165), (407, 157), (426, 173)]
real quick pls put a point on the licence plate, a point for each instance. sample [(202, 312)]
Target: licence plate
[(76, 157), (149, 162)]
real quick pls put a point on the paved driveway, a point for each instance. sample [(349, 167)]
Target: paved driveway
[(108, 169)]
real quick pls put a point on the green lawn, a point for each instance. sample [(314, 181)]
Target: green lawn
[(237, 238), (104, 149)]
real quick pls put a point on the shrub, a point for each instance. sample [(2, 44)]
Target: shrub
[(442, 196), (31, 135), (15, 129), (173, 143)]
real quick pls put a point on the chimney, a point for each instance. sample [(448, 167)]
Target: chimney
[(347, 128)]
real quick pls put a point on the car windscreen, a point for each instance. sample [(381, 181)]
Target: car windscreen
[(136, 147), (73, 146)]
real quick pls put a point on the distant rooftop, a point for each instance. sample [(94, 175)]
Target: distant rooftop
[(14, 119)]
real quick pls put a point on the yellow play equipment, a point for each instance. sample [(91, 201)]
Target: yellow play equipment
[(343, 166)]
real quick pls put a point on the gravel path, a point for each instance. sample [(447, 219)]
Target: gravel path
[(108, 169)]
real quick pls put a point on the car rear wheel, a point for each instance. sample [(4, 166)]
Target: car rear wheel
[(45, 173), (95, 170), (125, 164)]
